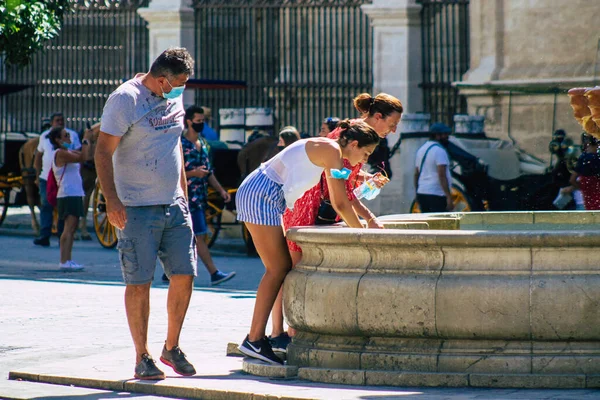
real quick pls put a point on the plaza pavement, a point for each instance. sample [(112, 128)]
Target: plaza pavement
[(68, 332)]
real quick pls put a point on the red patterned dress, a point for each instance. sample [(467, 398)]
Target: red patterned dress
[(588, 170), (306, 207)]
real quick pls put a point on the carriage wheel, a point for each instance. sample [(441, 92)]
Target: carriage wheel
[(462, 202), (106, 233), (3, 204), (213, 222)]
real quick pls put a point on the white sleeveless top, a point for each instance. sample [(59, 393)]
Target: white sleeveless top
[(293, 170), (71, 183)]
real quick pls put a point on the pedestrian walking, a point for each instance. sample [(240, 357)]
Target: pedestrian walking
[(65, 167), (199, 174), (262, 198), (432, 177), (43, 165), (139, 161)]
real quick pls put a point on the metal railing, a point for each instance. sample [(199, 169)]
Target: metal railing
[(445, 56), (101, 43), (305, 59)]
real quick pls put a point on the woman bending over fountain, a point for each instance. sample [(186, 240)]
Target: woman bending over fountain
[(262, 198)]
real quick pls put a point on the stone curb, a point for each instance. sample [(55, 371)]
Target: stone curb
[(259, 368), (233, 350), (148, 388), (436, 379)]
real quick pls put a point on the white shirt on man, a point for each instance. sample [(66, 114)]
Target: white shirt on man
[(47, 150), (429, 180)]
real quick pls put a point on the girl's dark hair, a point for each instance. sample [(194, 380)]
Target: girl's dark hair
[(331, 122), (54, 136), (359, 131), (382, 103)]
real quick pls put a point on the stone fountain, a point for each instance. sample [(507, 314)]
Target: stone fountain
[(488, 299)]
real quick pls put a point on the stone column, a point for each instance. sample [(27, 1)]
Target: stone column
[(170, 24), (397, 71)]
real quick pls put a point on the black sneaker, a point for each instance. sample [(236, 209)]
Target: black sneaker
[(261, 350), (42, 241), (280, 343), (147, 370), (219, 277), (175, 359)]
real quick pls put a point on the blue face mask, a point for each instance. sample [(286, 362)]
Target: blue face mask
[(174, 93)]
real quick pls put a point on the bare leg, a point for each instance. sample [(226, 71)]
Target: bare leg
[(204, 254), (137, 307), (66, 238), (277, 313), (178, 300), (272, 249), (89, 184)]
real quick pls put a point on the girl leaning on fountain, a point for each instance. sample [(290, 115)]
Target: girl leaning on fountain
[(262, 198)]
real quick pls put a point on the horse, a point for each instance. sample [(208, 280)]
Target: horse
[(29, 175)]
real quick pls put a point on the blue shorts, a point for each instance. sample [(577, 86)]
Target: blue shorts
[(151, 232), (259, 200), (199, 222)]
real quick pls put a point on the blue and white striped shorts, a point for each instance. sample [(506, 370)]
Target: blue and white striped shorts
[(259, 200)]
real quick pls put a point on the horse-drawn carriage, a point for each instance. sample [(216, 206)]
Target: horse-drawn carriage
[(496, 175), (15, 172)]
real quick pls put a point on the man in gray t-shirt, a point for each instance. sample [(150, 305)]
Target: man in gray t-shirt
[(139, 161)]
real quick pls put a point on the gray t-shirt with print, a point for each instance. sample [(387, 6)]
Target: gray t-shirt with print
[(147, 162)]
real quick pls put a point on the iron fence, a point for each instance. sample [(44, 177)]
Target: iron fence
[(445, 56), (101, 43), (304, 59)]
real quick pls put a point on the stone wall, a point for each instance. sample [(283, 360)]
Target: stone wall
[(524, 43)]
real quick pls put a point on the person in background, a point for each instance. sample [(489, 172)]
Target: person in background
[(88, 175), (43, 164), (328, 125), (199, 174), (586, 176), (65, 167), (287, 136), (432, 177), (208, 132)]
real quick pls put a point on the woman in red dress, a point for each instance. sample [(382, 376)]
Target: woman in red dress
[(382, 113)]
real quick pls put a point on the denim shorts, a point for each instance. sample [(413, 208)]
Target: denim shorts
[(151, 232), (259, 200), (199, 222)]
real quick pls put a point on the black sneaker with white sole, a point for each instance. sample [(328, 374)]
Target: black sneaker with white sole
[(280, 343), (261, 350)]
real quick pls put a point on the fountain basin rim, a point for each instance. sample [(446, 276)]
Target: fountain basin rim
[(455, 238)]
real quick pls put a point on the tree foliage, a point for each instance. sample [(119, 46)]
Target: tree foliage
[(26, 24)]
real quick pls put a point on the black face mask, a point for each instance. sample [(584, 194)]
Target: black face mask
[(198, 127)]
